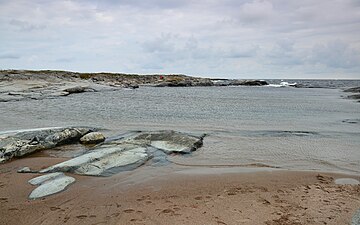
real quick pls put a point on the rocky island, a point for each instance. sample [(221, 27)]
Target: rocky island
[(16, 85)]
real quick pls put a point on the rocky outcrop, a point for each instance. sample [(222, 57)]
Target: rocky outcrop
[(50, 184), (103, 160), (20, 143), (126, 153), (353, 90), (92, 138), (353, 96), (248, 83), (77, 89), (168, 141)]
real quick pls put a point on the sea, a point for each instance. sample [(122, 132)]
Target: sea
[(313, 128)]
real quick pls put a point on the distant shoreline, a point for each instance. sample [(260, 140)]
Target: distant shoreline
[(126, 80)]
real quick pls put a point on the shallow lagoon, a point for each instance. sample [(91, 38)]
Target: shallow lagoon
[(289, 128)]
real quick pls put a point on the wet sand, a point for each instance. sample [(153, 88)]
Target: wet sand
[(178, 195)]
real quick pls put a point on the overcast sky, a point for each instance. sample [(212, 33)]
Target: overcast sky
[(210, 38)]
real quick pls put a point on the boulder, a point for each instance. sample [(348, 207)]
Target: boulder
[(74, 90), (92, 138), (24, 170), (49, 184), (20, 143), (169, 141)]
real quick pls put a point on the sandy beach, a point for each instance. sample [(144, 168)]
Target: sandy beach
[(182, 196)]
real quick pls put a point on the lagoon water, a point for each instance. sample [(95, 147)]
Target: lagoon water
[(289, 128)]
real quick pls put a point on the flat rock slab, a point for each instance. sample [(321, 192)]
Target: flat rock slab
[(23, 142), (103, 160), (49, 184), (168, 141), (127, 152), (347, 181)]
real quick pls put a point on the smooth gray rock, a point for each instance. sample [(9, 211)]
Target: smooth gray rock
[(127, 152), (356, 218), (101, 160), (77, 89), (347, 181), (41, 179), (169, 141), (92, 138), (20, 143), (24, 170), (49, 184)]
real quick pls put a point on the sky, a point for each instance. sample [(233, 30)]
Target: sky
[(250, 39)]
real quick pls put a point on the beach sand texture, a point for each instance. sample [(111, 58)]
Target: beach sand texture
[(267, 197)]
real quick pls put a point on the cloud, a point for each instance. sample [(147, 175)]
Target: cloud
[(257, 11), (9, 56), (335, 54), (229, 38), (25, 26)]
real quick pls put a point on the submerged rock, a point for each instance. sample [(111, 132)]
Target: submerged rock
[(169, 141), (20, 143), (92, 138), (49, 184)]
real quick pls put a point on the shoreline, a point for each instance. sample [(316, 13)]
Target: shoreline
[(172, 197)]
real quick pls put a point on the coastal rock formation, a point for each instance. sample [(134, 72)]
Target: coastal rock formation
[(49, 184), (127, 153), (101, 161), (20, 143), (77, 89), (169, 141), (92, 138), (353, 90), (248, 83)]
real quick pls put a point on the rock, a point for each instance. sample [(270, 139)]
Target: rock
[(50, 184), (24, 170), (347, 181), (356, 218), (169, 141), (41, 179), (20, 143), (101, 160), (92, 138), (354, 96), (74, 90), (353, 90), (9, 98), (248, 82), (121, 159), (162, 84), (127, 152)]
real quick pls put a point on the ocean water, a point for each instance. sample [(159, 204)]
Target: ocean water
[(289, 128)]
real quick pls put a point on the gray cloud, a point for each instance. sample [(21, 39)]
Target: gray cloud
[(221, 38), (25, 26), (336, 54), (9, 56)]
